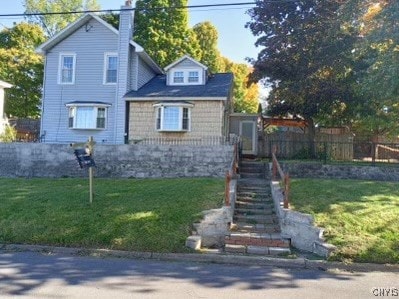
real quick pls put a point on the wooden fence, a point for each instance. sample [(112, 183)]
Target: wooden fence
[(292, 145)]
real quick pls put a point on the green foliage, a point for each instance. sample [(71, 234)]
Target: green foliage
[(164, 33), (9, 134), (23, 68), (246, 95), (360, 217), (305, 55), (52, 23), (378, 54), (138, 215), (333, 61), (207, 37)]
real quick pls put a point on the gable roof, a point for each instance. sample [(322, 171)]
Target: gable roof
[(217, 87), (71, 28), (183, 58)]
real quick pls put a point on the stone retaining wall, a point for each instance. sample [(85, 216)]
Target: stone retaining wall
[(123, 161), (320, 171)]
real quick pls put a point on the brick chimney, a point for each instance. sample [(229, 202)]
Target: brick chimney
[(125, 36)]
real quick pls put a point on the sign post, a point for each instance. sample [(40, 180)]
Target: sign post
[(85, 160), (91, 150)]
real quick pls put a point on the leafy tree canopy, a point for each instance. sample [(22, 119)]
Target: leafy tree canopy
[(22, 67), (164, 33), (306, 57), (52, 24)]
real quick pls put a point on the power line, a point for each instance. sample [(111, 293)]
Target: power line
[(139, 9)]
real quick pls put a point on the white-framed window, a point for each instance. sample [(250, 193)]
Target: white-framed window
[(67, 66), (110, 68), (193, 77), (87, 116), (173, 117), (178, 77)]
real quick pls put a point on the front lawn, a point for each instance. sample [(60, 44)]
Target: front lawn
[(360, 217), (140, 215)]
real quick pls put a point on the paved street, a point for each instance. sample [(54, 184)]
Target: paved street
[(34, 275)]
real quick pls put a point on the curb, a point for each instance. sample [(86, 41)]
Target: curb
[(216, 258)]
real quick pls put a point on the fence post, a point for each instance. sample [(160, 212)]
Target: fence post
[(373, 147), (325, 152)]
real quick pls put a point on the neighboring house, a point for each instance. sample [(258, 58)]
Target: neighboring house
[(100, 83), (3, 118)]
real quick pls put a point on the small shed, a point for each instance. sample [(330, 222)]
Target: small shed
[(3, 119), (246, 126)]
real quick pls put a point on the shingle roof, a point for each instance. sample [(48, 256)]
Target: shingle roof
[(217, 86)]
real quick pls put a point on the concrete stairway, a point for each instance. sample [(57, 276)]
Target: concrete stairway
[(256, 229)]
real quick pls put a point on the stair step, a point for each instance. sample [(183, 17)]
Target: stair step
[(256, 227), (254, 205), (256, 219), (249, 212), (249, 241), (248, 175), (253, 194), (254, 189), (255, 200), (259, 235)]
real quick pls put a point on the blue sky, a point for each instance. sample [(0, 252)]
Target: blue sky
[(235, 41)]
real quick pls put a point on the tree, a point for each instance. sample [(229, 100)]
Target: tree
[(53, 23), (246, 95), (306, 56), (207, 36), (378, 53), (163, 31), (22, 67)]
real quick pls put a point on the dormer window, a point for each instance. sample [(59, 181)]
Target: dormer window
[(178, 77), (185, 77), (193, 77), (186, 71)]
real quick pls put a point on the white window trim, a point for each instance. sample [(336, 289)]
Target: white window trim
[(177, 105), (106, 55), (92, 105), (60, 63), (186, 72)]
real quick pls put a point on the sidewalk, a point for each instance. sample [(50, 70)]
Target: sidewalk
[(216, 258)]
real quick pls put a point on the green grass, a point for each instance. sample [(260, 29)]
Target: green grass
[(140, 215), (360, 217)]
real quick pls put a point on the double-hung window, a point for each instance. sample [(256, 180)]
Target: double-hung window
[(173, 117), (185, 77), (66, 73), (110, 68), (178, 77), (87, 116), (193, 77)]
